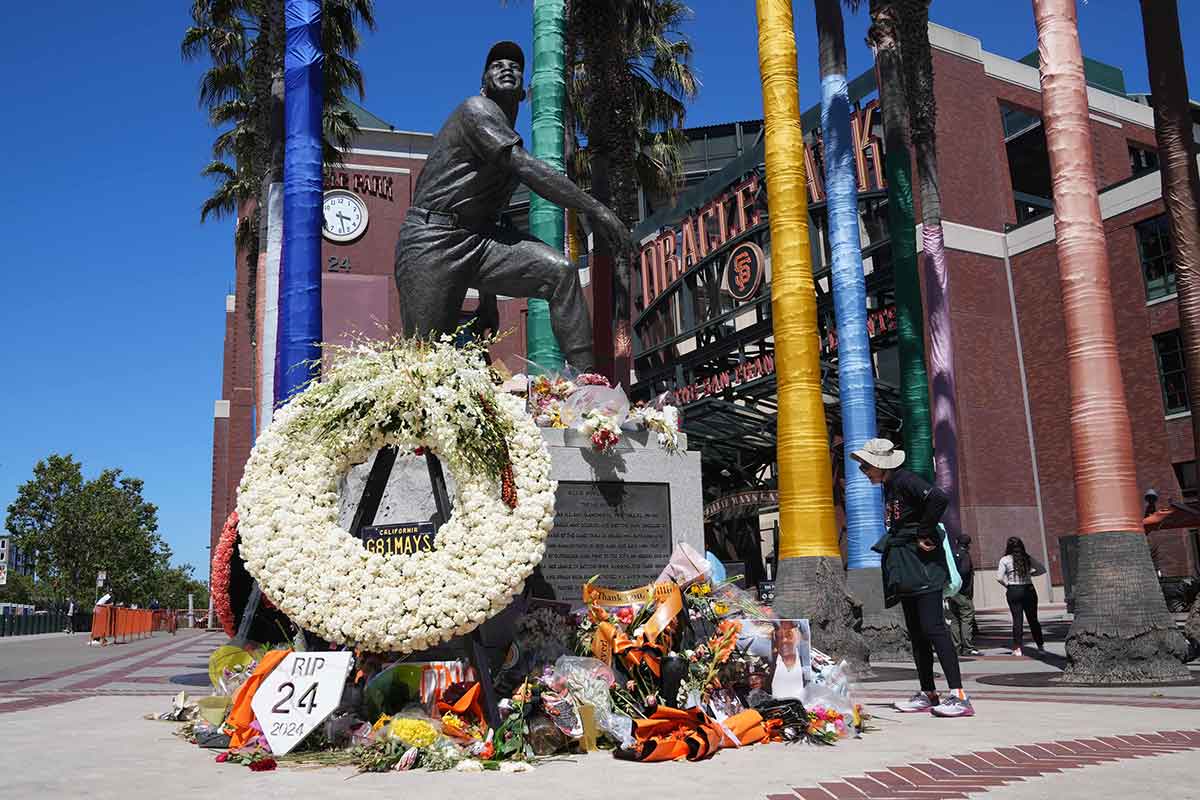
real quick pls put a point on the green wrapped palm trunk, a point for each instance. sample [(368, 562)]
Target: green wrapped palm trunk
[(914, 379), (549, 89)]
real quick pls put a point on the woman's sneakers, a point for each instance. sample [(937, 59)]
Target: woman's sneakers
[(921, 701), (1016, 651), (956, 704)]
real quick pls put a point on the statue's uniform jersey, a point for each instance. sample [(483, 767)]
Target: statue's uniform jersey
[(467, 172), (451, 239)]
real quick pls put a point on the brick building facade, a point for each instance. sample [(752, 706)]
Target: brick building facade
[(1014, 437), (1015, 450), (357, 291)]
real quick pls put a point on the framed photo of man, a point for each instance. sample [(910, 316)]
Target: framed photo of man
[(785, 647)]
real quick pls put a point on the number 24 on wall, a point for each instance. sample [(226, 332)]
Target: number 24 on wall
[(310, 694)]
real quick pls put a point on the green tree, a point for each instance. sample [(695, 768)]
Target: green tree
[(884, 37), (659, 62), (19, 589), (75, 528), (171, 587), (630, 82)]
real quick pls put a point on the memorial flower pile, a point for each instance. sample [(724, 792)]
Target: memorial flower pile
[(677, 669)]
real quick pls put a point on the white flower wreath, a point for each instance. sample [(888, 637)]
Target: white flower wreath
[(411, 395)]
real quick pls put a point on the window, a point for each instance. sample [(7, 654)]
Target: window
[(1185, 473), (1028, 162), (1142, 159), (1158, 262), (1168, 347)]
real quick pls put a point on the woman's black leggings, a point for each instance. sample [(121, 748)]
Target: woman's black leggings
[(1022, 597), (926, 627)]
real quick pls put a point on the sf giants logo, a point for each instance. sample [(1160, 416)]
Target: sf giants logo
[(746, 265), (743, 266)]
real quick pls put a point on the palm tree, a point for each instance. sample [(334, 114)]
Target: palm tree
[(883, 627), (1181, 184), (227, 89), (628, 91), (884, 38), (811, 582), (864, 502), (917, 62), (1122, 631), (243, 89)]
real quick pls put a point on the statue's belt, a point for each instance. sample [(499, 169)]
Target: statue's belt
[(451, 219), (436, 217)]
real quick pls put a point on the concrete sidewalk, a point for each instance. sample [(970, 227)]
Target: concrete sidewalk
[(101, 748), (79, 731)]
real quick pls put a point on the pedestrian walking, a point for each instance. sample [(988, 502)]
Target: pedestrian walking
[(915, 573), (1016, 572), (962, 605)]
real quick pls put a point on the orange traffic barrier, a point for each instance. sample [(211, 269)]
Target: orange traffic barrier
[(111, 624)]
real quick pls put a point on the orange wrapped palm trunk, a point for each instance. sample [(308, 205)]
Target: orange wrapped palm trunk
[(1122, 631), (811, 580)]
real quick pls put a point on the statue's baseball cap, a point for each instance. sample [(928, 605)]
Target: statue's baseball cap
[(509, 50)]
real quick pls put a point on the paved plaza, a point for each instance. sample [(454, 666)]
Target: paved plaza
[(59, 696)]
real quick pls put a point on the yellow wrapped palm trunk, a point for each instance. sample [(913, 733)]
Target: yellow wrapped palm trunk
[(811, 580)]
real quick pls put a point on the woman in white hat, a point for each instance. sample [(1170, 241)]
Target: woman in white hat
[(915, 572)]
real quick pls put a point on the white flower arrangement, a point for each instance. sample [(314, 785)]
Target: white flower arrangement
[(601, 428), (409, 395), (664, 422), (591, 405)]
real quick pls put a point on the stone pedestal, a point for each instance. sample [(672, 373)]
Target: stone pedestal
[(618, 514)]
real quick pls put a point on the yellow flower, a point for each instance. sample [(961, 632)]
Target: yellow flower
[(701, 589), (412, 732), (721, 608)]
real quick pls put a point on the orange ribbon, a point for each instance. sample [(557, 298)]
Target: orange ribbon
[(670, 734), (467, 708), (241, 716), (652, 644)]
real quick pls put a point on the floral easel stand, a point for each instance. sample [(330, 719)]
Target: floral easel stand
[(364, 515)]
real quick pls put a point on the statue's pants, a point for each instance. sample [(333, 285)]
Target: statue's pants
[(437, 261)]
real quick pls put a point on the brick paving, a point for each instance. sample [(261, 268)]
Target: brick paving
[(115, 674), (909, 757), (979, 772)]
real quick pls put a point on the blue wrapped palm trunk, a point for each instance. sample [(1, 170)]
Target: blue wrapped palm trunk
[(297, 359), (856, 379)]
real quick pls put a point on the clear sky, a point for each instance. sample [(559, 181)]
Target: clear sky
[(114, 299)]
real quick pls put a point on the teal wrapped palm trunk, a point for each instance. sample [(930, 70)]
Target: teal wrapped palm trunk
[(549, 90)]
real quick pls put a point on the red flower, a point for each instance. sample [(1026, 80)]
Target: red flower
[(222, 758), (604, 439), (220, 575), (625, 615), (263, 765), (508, 486)]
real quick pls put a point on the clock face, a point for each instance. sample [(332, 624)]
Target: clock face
[(345, 216)]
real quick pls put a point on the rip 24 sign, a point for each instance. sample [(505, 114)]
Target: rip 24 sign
[(298, 695)]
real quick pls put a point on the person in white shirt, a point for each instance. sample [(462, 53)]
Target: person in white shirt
[(1016, 572)]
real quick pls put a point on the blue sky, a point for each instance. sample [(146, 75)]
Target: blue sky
[(114, 304)]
